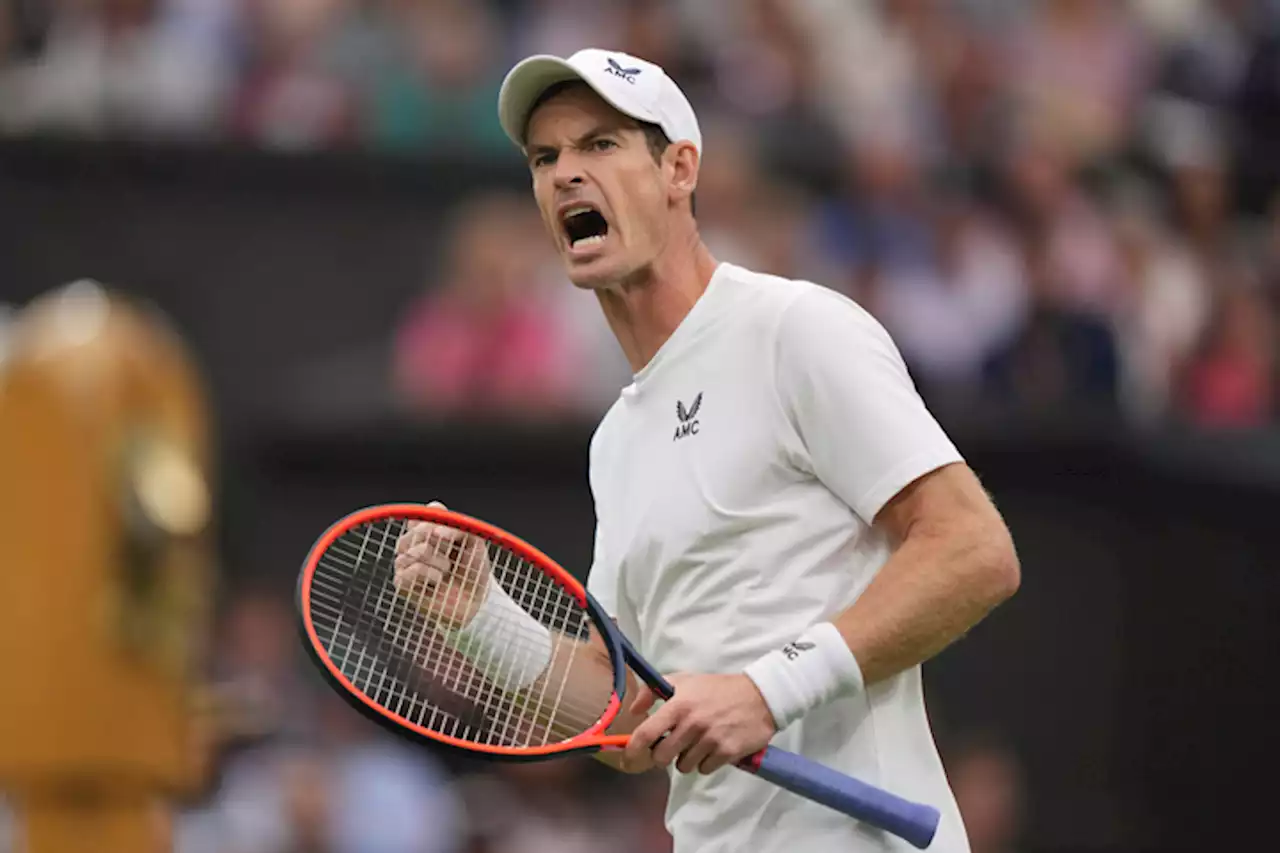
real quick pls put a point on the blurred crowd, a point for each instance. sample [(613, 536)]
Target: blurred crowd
[(1055, 205)]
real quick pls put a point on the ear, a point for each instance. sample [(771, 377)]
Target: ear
[(682, 159)]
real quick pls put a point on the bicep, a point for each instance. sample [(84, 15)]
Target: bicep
[(948, 512), (944, 497)]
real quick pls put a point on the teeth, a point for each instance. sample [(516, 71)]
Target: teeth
[(574, 211), (583, 242)]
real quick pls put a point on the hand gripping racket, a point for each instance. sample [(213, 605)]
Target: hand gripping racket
[(476, 640)]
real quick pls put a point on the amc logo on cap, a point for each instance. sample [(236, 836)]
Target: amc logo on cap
[(628, 74)]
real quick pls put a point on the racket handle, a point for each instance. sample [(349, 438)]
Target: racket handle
[(659, 685), (914, 822)]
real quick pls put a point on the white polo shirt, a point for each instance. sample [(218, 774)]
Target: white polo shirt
[(734, 483)]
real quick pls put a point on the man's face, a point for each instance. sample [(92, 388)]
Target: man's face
[(603, 196)]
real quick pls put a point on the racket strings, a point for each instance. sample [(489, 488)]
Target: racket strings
[(482, 566), (397, 646), (403, 664)]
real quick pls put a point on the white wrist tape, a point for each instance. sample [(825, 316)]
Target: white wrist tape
[(507, 645), (813, 669)]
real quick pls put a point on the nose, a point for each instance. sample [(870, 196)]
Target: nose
[(568, 171)]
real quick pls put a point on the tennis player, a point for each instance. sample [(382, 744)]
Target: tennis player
[(782, 526)]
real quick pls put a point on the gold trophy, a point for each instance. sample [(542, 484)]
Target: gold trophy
[(106, 574)]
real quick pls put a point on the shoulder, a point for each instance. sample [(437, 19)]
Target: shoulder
[(802, 311), (765, 289), (766, 299)]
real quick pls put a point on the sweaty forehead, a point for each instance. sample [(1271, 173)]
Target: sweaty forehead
[(569, 110)]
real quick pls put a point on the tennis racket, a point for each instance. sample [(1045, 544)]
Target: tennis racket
[(396, 607)]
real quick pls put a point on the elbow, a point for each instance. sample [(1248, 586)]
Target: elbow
[(1002, 571), (988, 563)]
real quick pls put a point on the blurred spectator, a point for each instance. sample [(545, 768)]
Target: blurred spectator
[(561, 27), (355, 790), (728, 180), (1229, 382), (1077, 68), (650, 29), (210, 28), (536, 808), (746, 215), (1165, 309), (1063, 360), (1207, 44), (1201, 199), (775, 232), (972, 101), (905, 50), (110, 67), (987, 780), (1255, 104), (567, 806), (760, 68), (440, 89), (292, 95), (488, 337), (951, 314), (878, 224), (1049, 201), (258, 664)]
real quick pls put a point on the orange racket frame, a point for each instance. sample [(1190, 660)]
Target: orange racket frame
[(590, 740)]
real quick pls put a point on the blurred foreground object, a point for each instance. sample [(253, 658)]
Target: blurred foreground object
[(106, 579), (987, 777)]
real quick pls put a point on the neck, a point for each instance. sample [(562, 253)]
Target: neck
[(645, 310)]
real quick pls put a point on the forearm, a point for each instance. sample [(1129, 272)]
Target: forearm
[(938, 584), (953, 562), (587, 676), (574, 690), (570, 693), (565, 696)]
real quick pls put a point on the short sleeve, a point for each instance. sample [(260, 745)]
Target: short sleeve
[(865, 431)]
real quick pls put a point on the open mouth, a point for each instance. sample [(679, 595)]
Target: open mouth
[(584, 227)]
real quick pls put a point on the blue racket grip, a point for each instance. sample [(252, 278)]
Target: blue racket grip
[(914, 822)]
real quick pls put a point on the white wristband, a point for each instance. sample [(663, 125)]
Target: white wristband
[(508, 646), (813, 669)]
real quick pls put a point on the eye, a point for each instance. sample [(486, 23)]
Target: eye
[(546, 158), (603, 144)]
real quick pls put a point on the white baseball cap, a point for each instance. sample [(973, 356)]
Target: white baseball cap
[(631, 85)]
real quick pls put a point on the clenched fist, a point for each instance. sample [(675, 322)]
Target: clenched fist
[(446, 572)]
